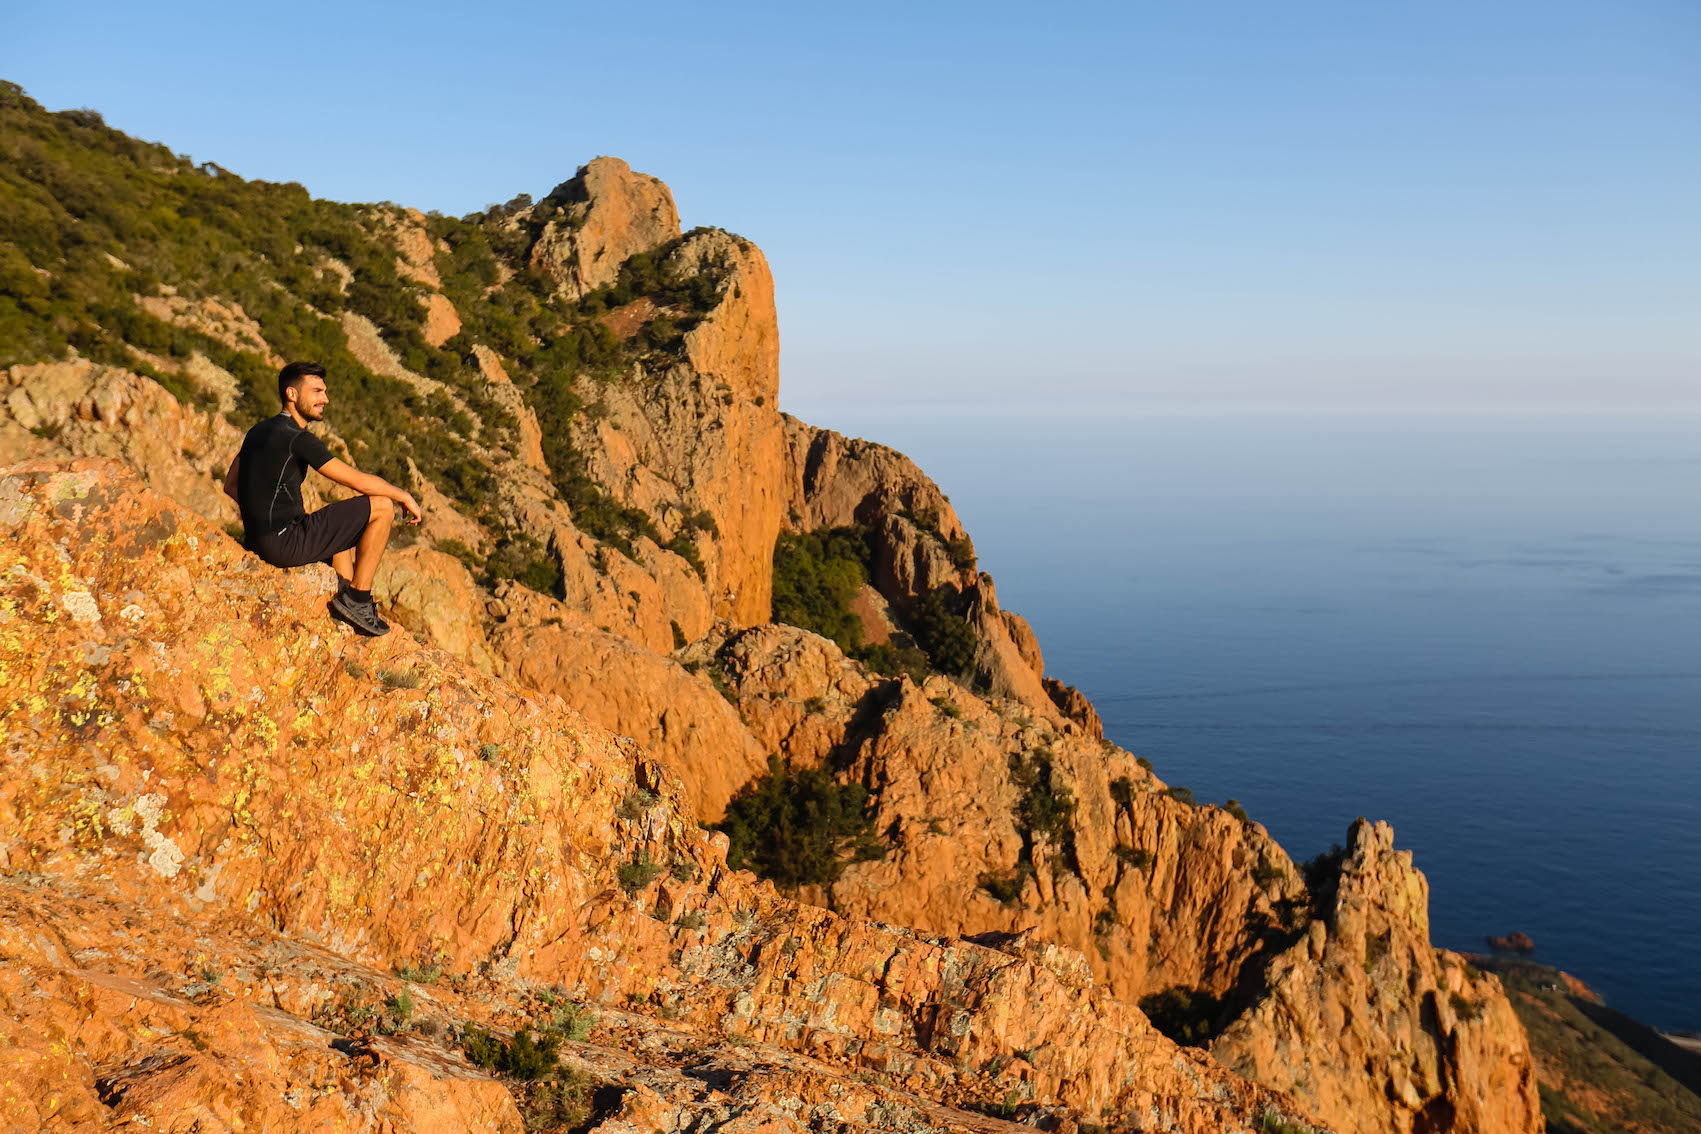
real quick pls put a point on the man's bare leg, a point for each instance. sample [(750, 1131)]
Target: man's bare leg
[(343, 564), (372, 541)]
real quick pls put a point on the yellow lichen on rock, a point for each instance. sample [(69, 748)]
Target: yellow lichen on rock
[(386, 803)]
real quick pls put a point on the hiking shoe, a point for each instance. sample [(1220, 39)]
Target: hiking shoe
[(363, 616)]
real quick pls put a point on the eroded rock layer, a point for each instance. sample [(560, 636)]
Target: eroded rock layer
[(200, 769), (204, 775)]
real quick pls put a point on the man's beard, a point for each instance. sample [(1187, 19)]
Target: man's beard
[(314, 414)]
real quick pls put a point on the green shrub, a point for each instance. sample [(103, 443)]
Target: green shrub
[(1189, 1016), (526, 561), (636, 802), (890, 660), (947, 706), (1376, 947), (560, 1102), (1272, 1121), (1047, 808), (1007, 1110), (1122, 791), (1006, 889), (1234, 808), (638, 873), (1135, 858), (572, 1022), (938, 624), (816, 577), (522, 1058), (1181, 795), (797, 827)]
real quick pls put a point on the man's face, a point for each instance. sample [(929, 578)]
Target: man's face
[(311, 399)]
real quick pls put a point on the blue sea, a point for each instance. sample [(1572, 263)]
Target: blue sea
[(1483, 628)]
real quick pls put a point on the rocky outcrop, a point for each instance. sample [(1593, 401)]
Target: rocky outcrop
[(207, 779), (1086, 848), (1073, 704), (835, 481), (919, 546), (530, 441), (433, 595), (81, 408), (223, 322), (416, 251), (442, 321), (1004, 821), (678, 717), (222, 813), (1373, 1026), (703, 438), (598, 220)]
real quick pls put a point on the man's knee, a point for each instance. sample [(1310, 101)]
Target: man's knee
[(383, 508)]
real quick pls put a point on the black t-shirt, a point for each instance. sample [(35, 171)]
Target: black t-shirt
[(275, 457)]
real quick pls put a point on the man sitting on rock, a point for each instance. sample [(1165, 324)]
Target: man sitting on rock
[(265, 481)]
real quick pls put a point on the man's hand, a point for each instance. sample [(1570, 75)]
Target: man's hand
[(407, 501)]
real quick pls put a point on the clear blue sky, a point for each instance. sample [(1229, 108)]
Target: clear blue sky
[(1067, 205)]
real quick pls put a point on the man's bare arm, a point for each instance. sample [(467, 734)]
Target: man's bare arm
[(230, 478), (368, 485)]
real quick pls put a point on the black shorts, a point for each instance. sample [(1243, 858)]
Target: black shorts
[(317, 536)]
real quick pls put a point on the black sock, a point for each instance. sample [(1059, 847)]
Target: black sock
[(359, 595)]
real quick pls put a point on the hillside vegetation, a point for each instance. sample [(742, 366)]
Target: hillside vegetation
[(96, 220)]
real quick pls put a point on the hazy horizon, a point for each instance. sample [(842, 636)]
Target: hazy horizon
[(1455, 205)]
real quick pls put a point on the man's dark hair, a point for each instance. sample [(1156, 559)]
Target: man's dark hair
[(292, 375)]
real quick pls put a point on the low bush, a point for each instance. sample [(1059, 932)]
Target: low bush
[(889, 660), (1006, 889), (1189, 1016), (1135, 858), (799, 827), (521, 1058), (638, 873), (1047, 808), (939, 626), (816, 577)]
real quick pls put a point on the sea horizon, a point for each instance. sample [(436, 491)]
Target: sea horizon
[(1476, 626)]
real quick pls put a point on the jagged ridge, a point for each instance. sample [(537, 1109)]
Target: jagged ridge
[(191, 749)]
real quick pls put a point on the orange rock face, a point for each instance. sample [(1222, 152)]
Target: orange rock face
[(704, 437), (1004, 820), (610, 213), (85, 409), (1416, 1040), (222, 816), (217, 803)]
